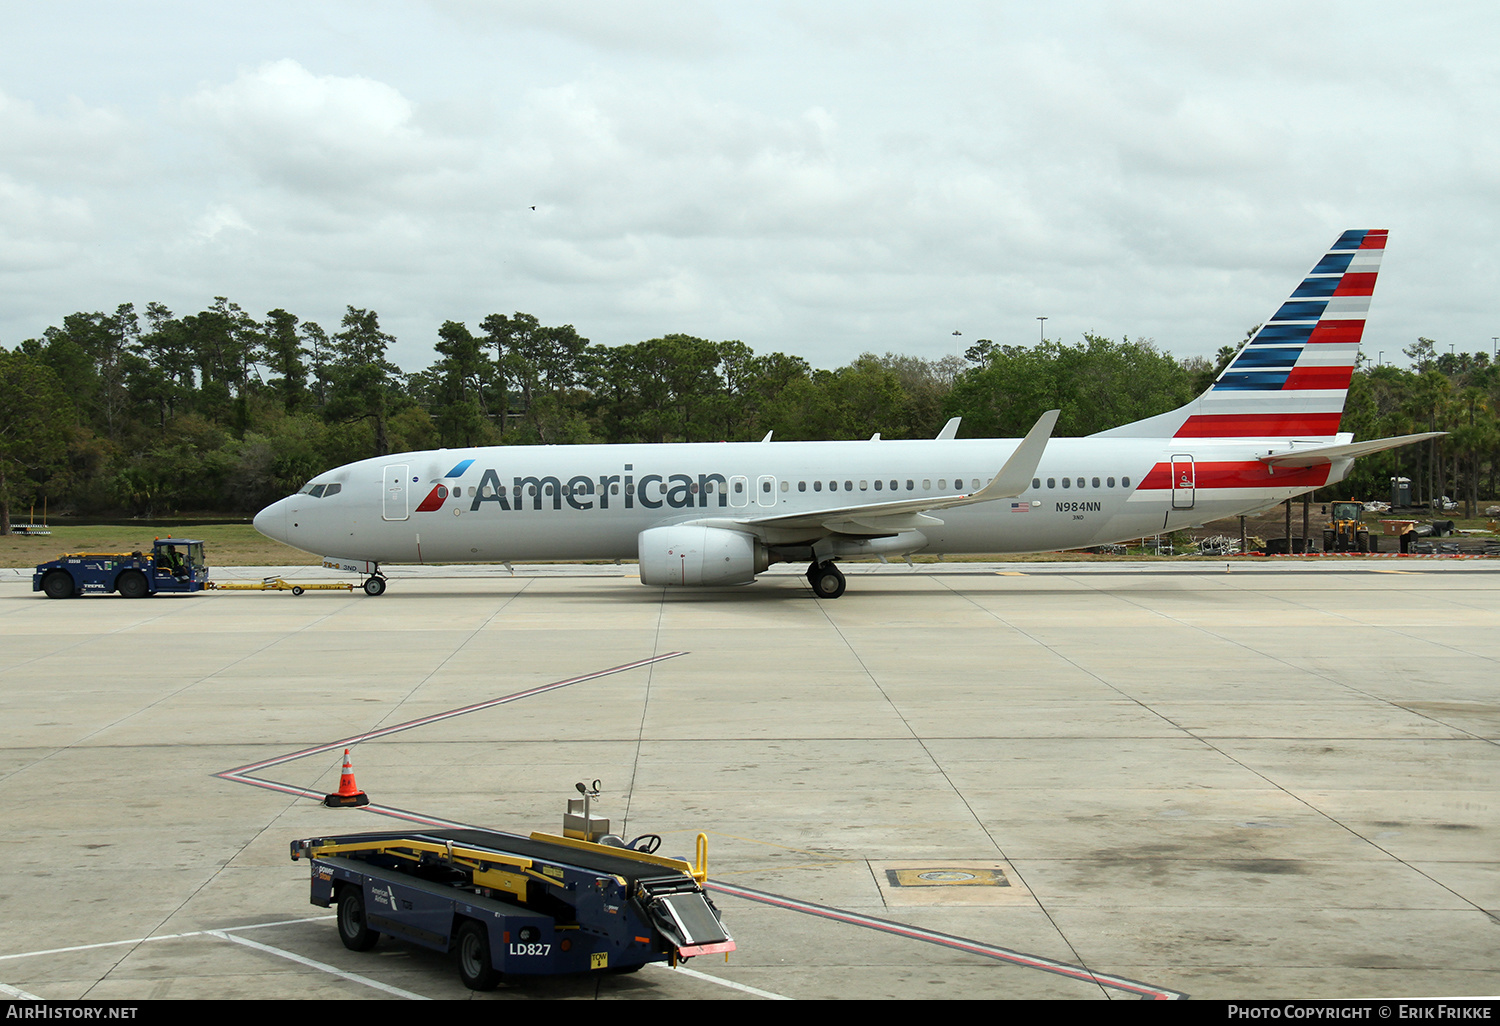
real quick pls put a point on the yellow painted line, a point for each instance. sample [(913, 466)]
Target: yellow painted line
[(1009, 573)]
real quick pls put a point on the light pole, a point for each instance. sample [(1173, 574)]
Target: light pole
[(1042, 328)]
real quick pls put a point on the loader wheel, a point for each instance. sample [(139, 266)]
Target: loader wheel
[(475, 966), (296, 589), (132, 584), (353, 930), (58, 584)]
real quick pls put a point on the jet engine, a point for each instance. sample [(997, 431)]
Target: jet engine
[(684, 555)]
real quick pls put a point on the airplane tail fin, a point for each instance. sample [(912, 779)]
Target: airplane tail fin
[(1289, 380)]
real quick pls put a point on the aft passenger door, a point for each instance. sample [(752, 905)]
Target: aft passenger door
[(1184, 482), (393, 503)]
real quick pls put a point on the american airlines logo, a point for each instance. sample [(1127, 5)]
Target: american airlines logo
[(652, 491)]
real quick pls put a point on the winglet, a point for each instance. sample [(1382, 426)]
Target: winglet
[(768, 435), (1015, 477), (950, 430)]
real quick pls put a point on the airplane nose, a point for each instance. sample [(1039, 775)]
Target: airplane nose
[(271, 521)]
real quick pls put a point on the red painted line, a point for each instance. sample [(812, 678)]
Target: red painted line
[(948, 940), (1318, 377), (1359, 283), (1238, 474), (1338, 330), (437, 717), (1260, 425)]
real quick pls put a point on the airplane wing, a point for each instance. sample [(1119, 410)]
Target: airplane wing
[(876, 518), (1321, 454)]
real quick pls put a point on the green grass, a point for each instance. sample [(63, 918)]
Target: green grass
[(223, 544)]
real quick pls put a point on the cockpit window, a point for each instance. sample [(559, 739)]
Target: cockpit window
[(320, 491)]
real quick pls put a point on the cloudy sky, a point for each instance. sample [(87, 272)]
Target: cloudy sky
[(819, 178)]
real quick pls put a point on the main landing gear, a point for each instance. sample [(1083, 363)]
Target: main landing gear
[(826, 578)]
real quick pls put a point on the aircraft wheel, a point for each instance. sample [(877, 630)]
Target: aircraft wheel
[(475, 967), (132, 584), (375, 586), (354, 931), (827, 581), (58, 584)]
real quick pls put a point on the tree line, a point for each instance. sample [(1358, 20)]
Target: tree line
[(147, 413)]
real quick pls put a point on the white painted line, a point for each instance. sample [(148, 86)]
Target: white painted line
[(160, 937), (323, 966), (19, 995), (723, 983)]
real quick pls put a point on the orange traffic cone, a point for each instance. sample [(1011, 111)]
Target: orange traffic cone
[(348, 796)]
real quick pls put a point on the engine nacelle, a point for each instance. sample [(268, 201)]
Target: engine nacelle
[(691, 556)]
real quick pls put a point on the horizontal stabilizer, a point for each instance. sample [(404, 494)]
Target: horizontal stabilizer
[(1316, 456)]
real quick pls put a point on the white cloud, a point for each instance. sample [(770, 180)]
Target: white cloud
[(328, 136)]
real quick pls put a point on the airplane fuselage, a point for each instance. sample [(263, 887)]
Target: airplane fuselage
[(593, 501)]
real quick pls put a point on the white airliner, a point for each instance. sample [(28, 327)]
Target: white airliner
[(716, 514)]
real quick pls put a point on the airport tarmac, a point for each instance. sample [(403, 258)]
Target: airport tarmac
[(1032, 780)]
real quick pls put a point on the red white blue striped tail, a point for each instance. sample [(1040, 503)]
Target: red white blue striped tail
[(1290, 379)]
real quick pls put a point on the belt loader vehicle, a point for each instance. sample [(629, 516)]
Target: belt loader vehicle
[(516, 905)]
